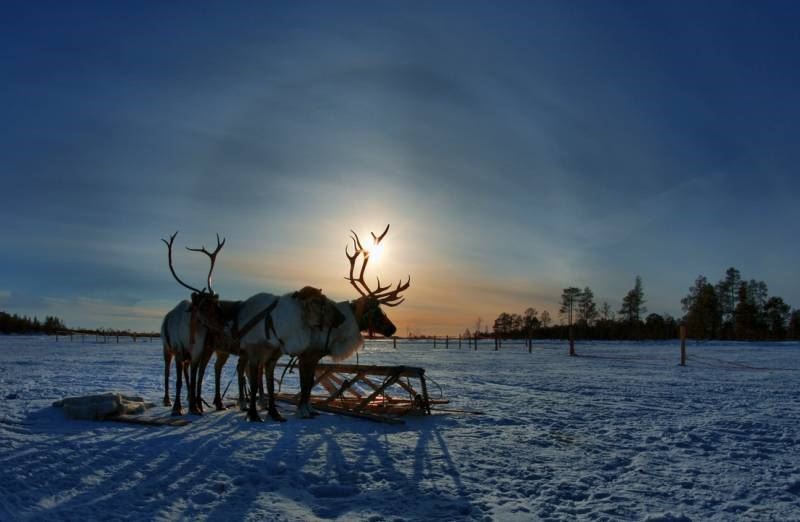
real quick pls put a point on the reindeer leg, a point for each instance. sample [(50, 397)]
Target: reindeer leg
[(240, 368), (195, 394), (167, 363), (179, 366), (201, 373), (261, 395), (252, 412), (306, 367), (222, 357), (185, 370), (269, 371)]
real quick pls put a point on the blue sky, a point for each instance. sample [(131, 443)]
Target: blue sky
[(516, 149)]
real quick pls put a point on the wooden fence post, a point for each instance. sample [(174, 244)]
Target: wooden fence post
[(571, 342), (683, 345), (394, 342)]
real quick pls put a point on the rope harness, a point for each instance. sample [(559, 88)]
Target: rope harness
[(233, 340)]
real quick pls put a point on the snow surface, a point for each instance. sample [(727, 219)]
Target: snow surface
[(619, 433)]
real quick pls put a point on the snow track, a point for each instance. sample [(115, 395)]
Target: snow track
[(619, 433)]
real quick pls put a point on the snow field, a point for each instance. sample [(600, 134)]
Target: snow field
[(619, 433)]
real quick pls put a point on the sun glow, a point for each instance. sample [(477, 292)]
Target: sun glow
[(375, 250)]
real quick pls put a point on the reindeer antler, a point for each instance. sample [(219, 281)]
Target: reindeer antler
[(392, 298), (171, 269), (389, 298), (212, 256)]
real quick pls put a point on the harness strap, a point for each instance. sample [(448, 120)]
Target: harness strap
[(327, 349), (261, 316)]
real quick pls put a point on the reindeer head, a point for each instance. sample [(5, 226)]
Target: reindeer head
[(204, 302), (367, 308)]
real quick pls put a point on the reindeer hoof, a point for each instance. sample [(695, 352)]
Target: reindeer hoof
[(177, 412), (167, 403), (276, 416), (254, 417), (304, 412)]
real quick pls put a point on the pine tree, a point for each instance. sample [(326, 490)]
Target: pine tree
[(530, 321), (606, 314), (727, 293), (776, 313), (745, 316), (794, 325), (545, 318), (569, 302), (587, 309), (633, 303), (703, 317)]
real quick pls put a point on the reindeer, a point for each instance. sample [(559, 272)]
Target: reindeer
[(189, 331), (363, 314), (274, 325), (245, 328), (340, 341), (170, 337)]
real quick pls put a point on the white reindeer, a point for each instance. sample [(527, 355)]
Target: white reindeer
[(268, 326), (175, 335), (340, 340), (361, 315)]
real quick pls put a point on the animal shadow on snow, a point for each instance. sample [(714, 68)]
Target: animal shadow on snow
[(221, 467), (333, 465), (85, 468)]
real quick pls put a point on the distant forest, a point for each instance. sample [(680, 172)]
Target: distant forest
[(731, 309), (19, 324)]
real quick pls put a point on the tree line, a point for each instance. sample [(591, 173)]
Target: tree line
[(22, 324), (732, 309), (738, 309)]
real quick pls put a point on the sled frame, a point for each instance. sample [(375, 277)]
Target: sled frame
[(378, 393)]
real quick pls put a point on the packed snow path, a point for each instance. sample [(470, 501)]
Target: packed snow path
[(620, 432)]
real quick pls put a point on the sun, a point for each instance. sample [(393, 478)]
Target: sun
[(375, 249)]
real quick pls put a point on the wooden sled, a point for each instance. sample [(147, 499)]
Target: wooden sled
[(376, 393)]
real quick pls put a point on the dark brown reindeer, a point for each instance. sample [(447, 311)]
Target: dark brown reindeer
[(190, 331)]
